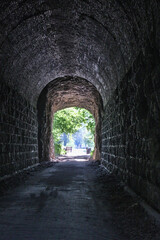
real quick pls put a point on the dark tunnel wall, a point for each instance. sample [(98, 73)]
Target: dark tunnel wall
[(42, 40), (18, 132), (131, 127)]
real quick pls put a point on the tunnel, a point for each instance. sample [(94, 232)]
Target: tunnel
[(63, 93), (100, 55)]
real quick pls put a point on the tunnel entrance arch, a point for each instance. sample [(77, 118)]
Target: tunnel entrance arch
[(63, 93)]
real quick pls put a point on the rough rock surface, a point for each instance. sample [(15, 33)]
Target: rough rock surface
[(62, 93), (97, 40), (18, 132), (131, 128)]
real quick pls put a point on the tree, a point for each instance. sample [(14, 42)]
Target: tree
[(88, 119), (70, 120)]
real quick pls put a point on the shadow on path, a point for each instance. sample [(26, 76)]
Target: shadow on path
[(73, 199)]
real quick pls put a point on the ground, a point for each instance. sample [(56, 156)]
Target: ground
[(73, 200)]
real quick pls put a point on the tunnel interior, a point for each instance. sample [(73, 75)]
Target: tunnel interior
[(101, 55), (63, 93)]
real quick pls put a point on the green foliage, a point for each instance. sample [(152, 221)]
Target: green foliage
[(92, 152), (57, 148), (69, 121), (87, 119)]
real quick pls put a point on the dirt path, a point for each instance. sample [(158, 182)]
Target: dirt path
[(72, 200)]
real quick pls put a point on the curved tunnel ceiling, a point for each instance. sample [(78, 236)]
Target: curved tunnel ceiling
[(63, 93), (74, 91), (97, 40)]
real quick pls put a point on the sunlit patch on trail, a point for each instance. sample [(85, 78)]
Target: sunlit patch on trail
[(76, 158)]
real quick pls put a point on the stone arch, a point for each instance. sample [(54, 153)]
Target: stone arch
[(62, 93)]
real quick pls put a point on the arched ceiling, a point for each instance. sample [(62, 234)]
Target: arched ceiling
[(74, 91), (68, 92), (98, 40)]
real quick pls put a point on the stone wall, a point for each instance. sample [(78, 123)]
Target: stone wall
[(18, 132), (63, 93), (131, 128)]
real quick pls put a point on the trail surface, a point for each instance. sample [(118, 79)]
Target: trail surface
[(72, 200)]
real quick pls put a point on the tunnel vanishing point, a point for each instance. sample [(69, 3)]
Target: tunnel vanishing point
[(100, 55)]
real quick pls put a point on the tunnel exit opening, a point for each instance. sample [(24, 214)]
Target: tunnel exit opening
[(64, 93), (73, 132)]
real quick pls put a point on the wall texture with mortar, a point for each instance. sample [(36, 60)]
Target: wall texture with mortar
[(63, 93), (18, 132), (131, 128), (42, 40)]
